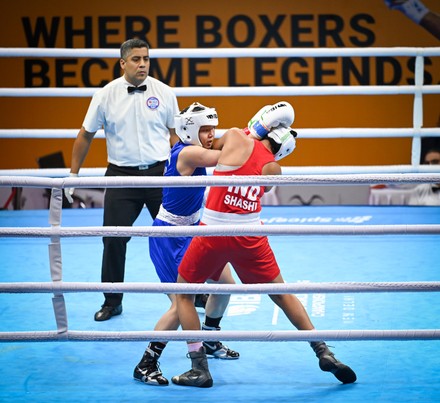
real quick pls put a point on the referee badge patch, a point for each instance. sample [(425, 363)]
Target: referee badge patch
[(152, 103)]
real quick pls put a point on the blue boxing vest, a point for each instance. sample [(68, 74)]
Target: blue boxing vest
[(167, 252), (186, 200)]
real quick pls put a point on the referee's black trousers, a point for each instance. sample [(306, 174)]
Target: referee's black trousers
[(122, 206)]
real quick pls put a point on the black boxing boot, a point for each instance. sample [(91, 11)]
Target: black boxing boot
[(148, 370), (328, 363), (199, 376), (216, 349)]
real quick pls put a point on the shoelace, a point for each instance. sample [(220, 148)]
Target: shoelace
[(151, 366)]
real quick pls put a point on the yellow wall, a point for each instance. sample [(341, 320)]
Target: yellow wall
[(171, 24)]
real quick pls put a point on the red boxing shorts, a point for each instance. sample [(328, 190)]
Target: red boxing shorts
[(251, 257)]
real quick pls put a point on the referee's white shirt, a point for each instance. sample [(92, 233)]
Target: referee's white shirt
[(135, 125)]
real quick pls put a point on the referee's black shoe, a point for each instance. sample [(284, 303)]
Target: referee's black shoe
[(107, 312)]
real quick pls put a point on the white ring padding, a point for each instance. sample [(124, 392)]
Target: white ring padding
[(181, 53), (197, 335), (307, 170), (210, 288), (201, 181), (59, 307), (219, 230), (239, 91), (303, 134)]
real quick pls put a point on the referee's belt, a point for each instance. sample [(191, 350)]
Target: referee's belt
[(141, 167)]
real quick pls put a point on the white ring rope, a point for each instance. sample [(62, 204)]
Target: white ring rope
[(239, 91), (307, 170), (206, 288), (226, 52), (200, 181), (303, 134), (258, 335), (219, 230)]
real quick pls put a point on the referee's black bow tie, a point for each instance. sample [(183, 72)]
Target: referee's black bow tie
[(140, 88)]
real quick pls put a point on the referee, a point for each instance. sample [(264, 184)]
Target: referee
[(137, 114)]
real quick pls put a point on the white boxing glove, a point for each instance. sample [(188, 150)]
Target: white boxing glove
[(269, 117), (68, 192), (255, 119), (413, 9)]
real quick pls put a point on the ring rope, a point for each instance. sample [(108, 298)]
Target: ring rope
[(207, 288), (307, 170), (197, 335), (200, 181), (239, 91), (334, 133), (180, 53), (219, 230)]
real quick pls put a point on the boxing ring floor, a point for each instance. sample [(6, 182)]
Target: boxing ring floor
[(388, 371)]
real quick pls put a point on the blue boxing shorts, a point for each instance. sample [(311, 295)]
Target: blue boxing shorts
[(166, 253)]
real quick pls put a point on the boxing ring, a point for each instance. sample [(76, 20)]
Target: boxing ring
[(367, 275)]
